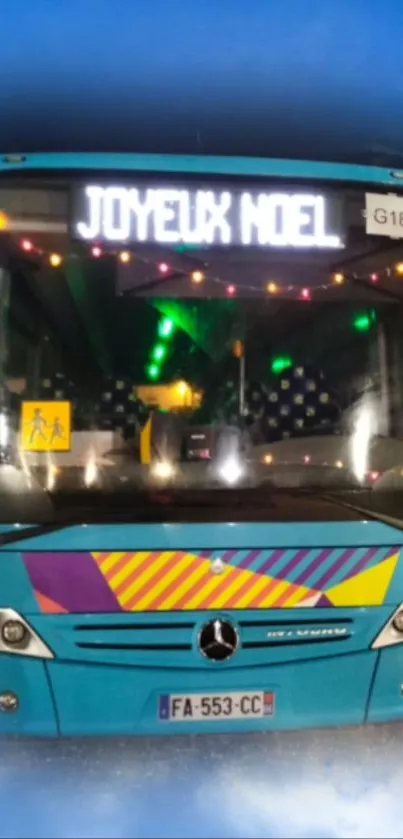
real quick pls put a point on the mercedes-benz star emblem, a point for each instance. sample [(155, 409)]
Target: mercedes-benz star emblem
[(218, 640)]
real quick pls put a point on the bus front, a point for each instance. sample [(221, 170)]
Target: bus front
[(201, 445)]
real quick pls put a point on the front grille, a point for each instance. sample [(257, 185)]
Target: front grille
[(126, 627), (176, 636), (289, 622), (100, 645), (150, 637), (171, 642), (288, 642)]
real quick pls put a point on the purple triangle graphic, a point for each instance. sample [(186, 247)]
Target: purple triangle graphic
[(324, 602), (72, 579)]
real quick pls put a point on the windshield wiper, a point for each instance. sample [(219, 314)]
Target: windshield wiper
[(369, 514)]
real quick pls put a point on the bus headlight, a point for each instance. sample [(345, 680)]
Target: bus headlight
[(398, 621), (17, 637), (392, 632), (13, 632)]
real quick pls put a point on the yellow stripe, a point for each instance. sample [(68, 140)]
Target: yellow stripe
[(234, 578), (164, 582), (295, 597), (186, 587), (137, 559), (149, 572), (221, 599), (209, 587), (111, 560), (274, 595), (249, 596)]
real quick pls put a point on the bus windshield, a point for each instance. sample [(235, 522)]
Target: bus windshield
[(199, 349)]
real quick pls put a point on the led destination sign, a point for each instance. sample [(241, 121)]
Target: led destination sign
[(215, 217)]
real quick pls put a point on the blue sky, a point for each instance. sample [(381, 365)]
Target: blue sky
[(292, 78)]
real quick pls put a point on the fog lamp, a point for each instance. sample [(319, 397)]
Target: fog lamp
[(8, 702)]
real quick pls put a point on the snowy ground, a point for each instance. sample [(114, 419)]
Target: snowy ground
[(325, 784)]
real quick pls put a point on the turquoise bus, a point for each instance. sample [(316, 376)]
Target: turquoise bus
[(201, 445)]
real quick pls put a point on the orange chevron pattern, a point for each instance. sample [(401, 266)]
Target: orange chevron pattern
[(145, 581)]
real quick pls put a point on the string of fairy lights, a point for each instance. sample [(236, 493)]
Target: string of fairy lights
[(199, 275)]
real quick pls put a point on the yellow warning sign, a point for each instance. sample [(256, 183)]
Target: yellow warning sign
[(46, 426)]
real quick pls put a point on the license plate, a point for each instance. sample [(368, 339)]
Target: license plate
[(200, 707)]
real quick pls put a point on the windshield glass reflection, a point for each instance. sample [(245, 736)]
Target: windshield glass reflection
[(202, 395)]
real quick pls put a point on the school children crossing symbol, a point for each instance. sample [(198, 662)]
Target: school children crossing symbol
[(46, 426)]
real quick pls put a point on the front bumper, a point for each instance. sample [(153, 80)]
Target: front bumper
[(59, 698)]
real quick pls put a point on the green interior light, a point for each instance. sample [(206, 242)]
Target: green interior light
[(158, 352), (362, 322), (281, 363), (166, 328), (153, 371)]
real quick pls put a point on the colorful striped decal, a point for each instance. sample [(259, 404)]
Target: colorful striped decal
[(160, 581)]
